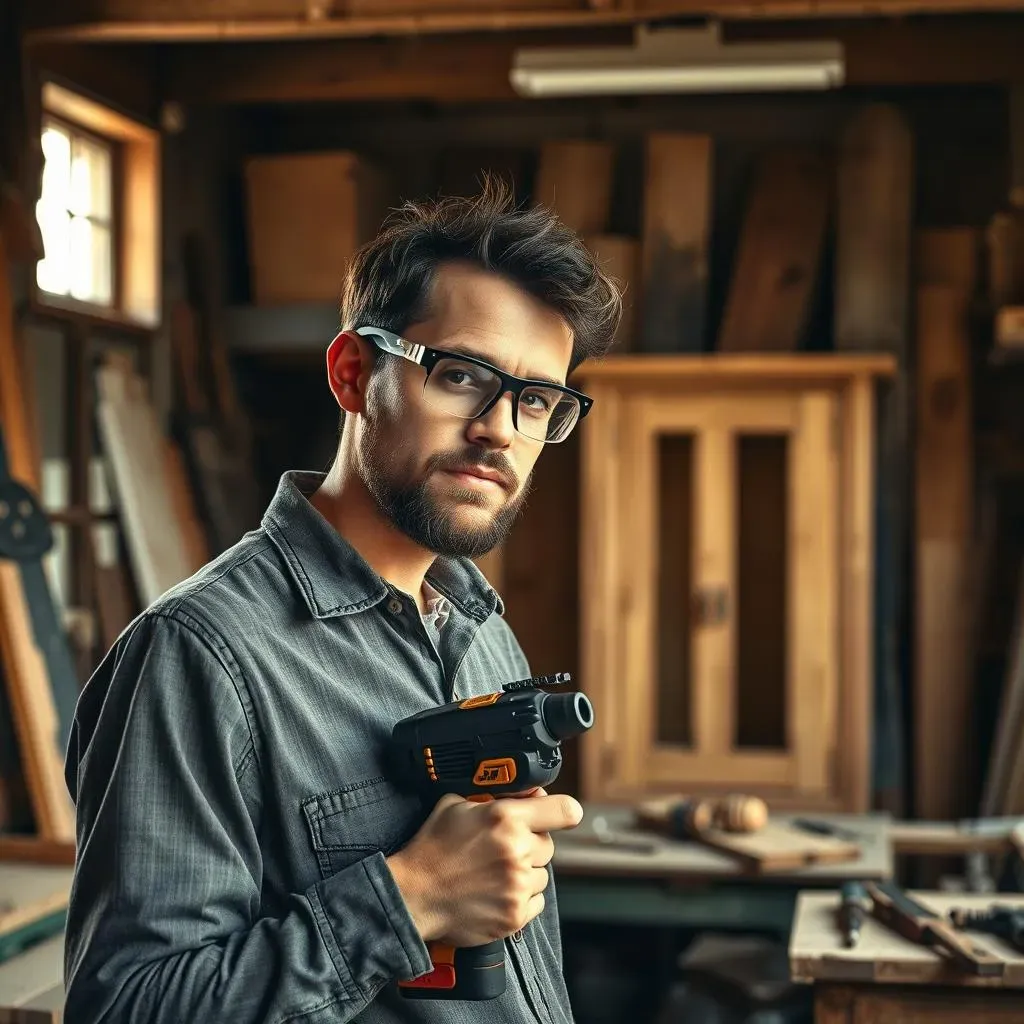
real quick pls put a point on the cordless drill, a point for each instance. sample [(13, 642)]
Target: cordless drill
[(481, 748)]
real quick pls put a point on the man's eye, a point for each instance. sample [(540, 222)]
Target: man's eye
[(536, 403), (457, 377)]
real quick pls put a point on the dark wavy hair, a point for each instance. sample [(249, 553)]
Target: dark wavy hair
[(389, 280)]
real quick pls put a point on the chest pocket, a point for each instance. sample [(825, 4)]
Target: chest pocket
[(349, 824)]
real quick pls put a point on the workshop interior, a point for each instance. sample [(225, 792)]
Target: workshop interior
[(774, 580)]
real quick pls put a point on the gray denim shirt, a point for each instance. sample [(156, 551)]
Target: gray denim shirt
[(234, 801)]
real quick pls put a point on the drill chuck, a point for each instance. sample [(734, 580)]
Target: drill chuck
[(567, 714)]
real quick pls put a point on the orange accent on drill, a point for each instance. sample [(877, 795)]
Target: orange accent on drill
[(480, 748)]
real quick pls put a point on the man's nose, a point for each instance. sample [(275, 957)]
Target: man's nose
[(495, 429)]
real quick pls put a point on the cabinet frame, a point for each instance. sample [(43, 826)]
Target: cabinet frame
[(821, 400)]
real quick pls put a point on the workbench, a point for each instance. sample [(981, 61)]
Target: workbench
[(688, 885), (886, 978)]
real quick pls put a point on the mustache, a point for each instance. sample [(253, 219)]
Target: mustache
[(475, 458)]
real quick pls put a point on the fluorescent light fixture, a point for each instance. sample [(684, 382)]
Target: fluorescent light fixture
[(678, 60)]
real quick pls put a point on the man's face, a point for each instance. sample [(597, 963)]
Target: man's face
[(421, 464)]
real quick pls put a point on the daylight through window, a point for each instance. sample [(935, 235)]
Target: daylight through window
[(75, 215)]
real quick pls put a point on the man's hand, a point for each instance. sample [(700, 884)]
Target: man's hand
[(476, 872)]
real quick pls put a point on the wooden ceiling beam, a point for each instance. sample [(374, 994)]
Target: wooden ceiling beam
[(460, 68), (180, 21)]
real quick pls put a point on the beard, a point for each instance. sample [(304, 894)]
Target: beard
[(431, 521)]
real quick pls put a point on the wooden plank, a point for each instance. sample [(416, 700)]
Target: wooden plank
[(36, 850), (574, 178), (857, 548), (714, 569), (35, 718), (776, 368), (619, 258), (685, 860), (882, 956), (676, 219), (1005, 245), (134, 445), (779, 253), (120, 22), (936, 51), (638, 619), (777, 847), (872, 275), (813, 592), (949, 256), (599, 554), (25, 671), (943, 694), (308, 213), (944, 838), (14, 413)]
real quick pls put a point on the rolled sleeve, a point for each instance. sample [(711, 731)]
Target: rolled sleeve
[(367, 927)]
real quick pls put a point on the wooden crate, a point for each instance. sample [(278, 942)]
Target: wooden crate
[(308, 214), (726, 577)]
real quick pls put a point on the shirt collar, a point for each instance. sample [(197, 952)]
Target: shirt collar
[(335, 579)]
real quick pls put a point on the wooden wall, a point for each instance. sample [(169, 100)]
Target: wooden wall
[(962, 171)]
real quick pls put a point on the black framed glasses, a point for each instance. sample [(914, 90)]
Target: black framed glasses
[(469, 388)]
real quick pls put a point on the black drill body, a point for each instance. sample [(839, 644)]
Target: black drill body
[(482, 747)]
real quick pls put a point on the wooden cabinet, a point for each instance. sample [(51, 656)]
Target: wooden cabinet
[(726, 576)]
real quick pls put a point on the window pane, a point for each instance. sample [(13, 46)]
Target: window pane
[(55, 226), (56, 167), (90, 261), (90, 179)]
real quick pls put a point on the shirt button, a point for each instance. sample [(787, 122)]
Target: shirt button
[(395, 606), (517, 936)]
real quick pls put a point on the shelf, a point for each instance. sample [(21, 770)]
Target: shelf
[(783, 367)]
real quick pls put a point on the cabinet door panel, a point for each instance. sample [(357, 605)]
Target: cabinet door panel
[(814, 594), (724, 492)]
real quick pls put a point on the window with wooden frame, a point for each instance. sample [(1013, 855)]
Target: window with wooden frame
[(98, 210)]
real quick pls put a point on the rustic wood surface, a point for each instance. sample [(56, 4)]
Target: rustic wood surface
[(581, 852), (816, 949)]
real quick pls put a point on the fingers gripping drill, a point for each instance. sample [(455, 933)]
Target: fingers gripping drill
[(481, 748)]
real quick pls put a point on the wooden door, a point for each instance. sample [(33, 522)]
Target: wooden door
[(729, 592)]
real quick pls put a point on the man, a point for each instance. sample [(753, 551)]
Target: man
[(244, 853)]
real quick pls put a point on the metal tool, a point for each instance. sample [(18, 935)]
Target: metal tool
[(895, 909), (999, 919), (854, 906), (825, 828)]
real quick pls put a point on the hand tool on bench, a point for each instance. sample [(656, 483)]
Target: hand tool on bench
[(1000, 919), (898, 911), (854, 906)]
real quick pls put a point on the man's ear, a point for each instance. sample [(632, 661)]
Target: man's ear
[(349, 361)]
